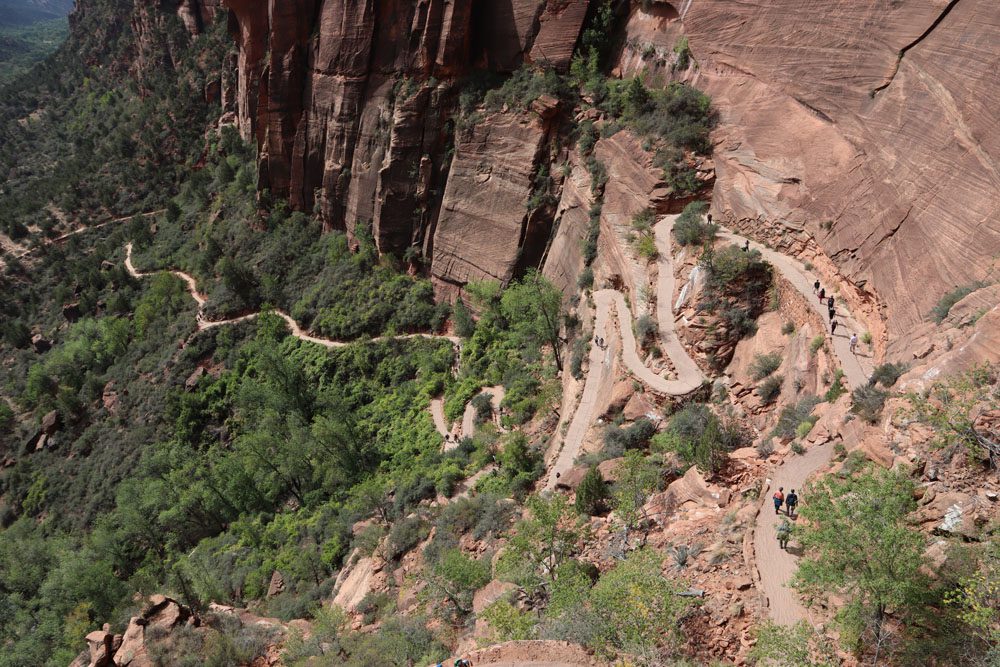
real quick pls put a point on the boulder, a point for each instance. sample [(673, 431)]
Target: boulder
[(133, 649), (639, 406), (609, 469), (165, 612), (100, 644), (192, 380), (489, 594), (572, 478), (50, 422), (620, 395), (277, 585)]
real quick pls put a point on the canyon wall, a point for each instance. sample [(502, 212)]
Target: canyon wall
[(860, 133), (870, 125), (352, 105)]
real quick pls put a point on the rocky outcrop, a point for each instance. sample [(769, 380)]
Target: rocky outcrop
[(129, 649), (869, 125)]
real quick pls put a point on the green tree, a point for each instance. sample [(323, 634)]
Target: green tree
[(637, 476), (549, 537), (858, 544), (795, 646), (533, 308), (639, 607), (457, 577), (591, 493)]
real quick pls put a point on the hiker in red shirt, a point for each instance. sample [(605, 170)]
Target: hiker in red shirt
[(779, 499)]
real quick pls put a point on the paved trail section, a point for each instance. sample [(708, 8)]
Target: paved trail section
[(775, 565)]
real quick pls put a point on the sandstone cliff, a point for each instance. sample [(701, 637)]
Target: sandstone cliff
[(870, 125), (351, 104)]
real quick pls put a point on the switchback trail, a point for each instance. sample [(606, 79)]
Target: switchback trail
[(689, 376)]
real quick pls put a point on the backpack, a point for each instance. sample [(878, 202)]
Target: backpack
[(793, 499)]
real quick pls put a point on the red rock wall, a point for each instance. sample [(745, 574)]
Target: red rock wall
[(891, 164), (351, 103)]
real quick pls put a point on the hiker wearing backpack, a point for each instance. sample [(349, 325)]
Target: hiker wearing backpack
[(784, 532), (779, 499), (791, 502)]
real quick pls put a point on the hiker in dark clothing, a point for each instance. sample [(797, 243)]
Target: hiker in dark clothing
[(833, 327), (746, 246), (779, 499), (832, 313), (815, 287), (822, 294), (790, 502), (829, 303)]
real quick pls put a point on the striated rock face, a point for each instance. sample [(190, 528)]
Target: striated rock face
[(483, 219), (351, 103), (872, 125)]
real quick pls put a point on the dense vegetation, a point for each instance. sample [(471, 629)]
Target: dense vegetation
[(24, 45)]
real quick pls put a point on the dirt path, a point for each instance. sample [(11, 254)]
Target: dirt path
[(451, 435), (296, 330), (775, 565), (81, 230)]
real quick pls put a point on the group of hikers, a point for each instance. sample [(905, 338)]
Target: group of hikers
[(820, 292), (790, 502), (600, 342)]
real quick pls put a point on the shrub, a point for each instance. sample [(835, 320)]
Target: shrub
[(887, 374), (525, 86), (816, 343), (866, 338), (699, 437), (764, 364), (465, 326), (868, 402), (837, 388), (645, 331), (403, 536), (646, 247), (591, 493), (804, 427), (586, 279), (792, 416), (769, 390), (618, 440), (798, 449), (580, 347), (788, 328), (690, 229), (483, 405), (765, 448), (943, 306)]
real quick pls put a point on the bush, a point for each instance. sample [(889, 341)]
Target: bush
[(690, 229), (525, 86), (788, 328), (769, 390), (646, 247), (764, 364), (591, 493), (816, 343), (866, 338), (837, 388), (798, 449), (645, 331), (618, 440), (804, 427), (586, 279), (403, 536), (792, 416), (868, 402), (943, 306), (765, 448), (699, 437), (483, 405), (887, 374)]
